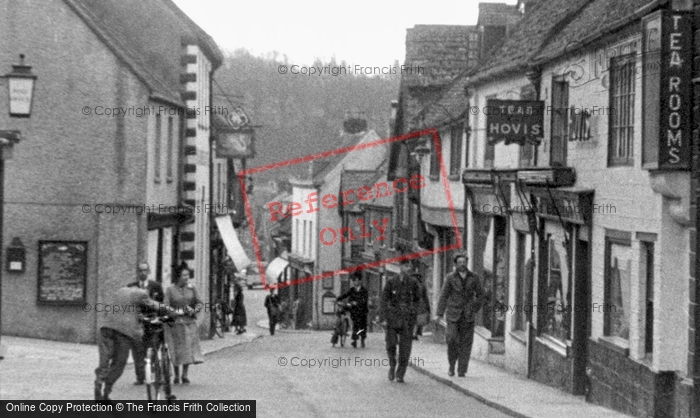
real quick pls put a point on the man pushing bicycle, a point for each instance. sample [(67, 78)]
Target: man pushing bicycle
[(120, 330)]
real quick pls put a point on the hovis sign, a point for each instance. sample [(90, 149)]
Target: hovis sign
[(514, 121)]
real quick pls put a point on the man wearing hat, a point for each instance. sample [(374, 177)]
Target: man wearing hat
[(461, 298), (401, 300)]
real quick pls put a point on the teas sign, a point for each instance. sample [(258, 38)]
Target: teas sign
[(675, 90), (514, 121)]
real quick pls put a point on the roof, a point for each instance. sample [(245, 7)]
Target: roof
[(353, 180), (380, 176), (497, 14), (147, 36), (541, 21), (322, 167), (598, 19), (437, 53)]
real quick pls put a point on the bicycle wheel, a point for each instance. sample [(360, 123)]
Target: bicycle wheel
[(165, 373), (151, 378), (220, 321), (343, 331)]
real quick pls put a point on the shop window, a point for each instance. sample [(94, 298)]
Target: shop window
[(558, 292), (618, 268), (523, 282), (621, 120), (455, 150), (560, 122)]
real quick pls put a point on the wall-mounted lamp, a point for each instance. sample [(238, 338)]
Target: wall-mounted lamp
[(420, 151)]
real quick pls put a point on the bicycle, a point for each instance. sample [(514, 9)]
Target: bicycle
[(158, 362), (221, 318), (342, 324)]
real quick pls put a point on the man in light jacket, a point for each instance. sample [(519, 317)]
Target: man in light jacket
[(461, 298)]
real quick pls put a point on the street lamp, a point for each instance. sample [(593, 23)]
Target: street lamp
[(20, 84)]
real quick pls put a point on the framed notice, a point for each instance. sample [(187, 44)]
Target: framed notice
[(62, 272)]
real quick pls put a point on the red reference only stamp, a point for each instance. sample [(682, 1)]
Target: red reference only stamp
[(330, 208)]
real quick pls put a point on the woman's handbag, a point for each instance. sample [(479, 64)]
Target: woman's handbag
[(423, 319)]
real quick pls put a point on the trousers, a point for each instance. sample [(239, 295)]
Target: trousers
[(151, 339), (459, 337), (113, 349), (403, 338), (359, 325)]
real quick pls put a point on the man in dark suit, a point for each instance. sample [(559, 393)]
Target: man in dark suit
[(155, 292), (400, 302), (462, 296)]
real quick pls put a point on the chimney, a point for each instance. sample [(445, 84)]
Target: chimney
[(355, 122)]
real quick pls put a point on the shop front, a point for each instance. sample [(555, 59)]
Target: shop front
[(562, 320), (301, 295)]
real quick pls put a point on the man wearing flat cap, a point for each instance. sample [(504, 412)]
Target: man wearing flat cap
[(461, 298), (401, 300)]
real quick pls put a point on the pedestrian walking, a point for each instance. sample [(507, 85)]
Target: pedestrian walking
[(240, 319), (272, 304), (183, 334), (461, 297), (424, 310), (119, 332), (400, 304), (150, 334), (358, 298)]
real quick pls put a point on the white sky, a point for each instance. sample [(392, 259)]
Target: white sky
[(363, 32)]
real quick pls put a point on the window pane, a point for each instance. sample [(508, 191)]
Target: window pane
[(617, 308)]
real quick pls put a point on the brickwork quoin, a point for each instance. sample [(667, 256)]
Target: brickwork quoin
[(319, 204)]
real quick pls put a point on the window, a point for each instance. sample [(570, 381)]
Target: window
[(648, 258), (523, 283), (489, 148), (618, 268), (621, 119), (169, 151), (473, 54), (303, 241), (434, 163), (455, 150), (558, 292), (157, 151), (473, 38), (560, 123)]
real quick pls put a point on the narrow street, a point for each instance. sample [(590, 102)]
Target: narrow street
[(253, 371)]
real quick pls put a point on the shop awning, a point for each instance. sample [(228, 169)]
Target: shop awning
[(275, 269), (233, 245)]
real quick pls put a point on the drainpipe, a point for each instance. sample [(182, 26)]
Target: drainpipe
[(210, 217)]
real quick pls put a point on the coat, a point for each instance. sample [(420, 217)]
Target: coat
[(401, 301), (239, 315), (360, 296), (131, 302), (460, 301)]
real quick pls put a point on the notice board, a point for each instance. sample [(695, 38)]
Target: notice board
[(62, 272)]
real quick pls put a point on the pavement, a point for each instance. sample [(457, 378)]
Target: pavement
[(43, 369), (502, 390)]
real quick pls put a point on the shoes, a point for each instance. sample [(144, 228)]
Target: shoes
[(399, 380), (98, 392), (461, 375), (451, 372), (138, 383), (185, 381), (392, 373), (176, 381), (354, 343)]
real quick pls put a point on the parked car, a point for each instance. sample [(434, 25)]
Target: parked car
[(252, 275)]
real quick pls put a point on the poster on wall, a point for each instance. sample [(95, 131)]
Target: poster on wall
[(62, 272)]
